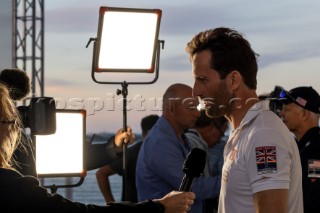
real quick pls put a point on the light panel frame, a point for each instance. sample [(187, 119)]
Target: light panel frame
[(62, 154), (127, 40)]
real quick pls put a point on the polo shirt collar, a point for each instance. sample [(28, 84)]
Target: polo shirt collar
[(253, 112)]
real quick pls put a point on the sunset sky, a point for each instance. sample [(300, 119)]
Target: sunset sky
[(284, 33)]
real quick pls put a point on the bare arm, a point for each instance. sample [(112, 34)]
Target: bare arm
[(102, 176), (271, 201)]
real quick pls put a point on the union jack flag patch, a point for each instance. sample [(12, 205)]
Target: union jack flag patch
[(266, 159)]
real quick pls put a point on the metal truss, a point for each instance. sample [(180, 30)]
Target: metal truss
[(28, 41)]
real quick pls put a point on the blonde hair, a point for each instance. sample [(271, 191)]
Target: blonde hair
[(10, 141)]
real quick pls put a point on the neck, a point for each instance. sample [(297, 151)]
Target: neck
[(176, 127), (240, 109), (299, 133)]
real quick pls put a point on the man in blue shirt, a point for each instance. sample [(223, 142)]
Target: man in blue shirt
[(163, 152), (209, 134), (129, 193)]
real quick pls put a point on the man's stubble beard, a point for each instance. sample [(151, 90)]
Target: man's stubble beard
[(220, 102)]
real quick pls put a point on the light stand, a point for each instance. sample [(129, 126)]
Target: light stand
[(127, 42), (54, 187)]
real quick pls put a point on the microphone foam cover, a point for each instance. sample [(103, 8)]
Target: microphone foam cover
[(195, 162), (17, 82)]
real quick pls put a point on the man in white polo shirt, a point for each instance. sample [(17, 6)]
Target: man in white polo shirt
[(262, 170)]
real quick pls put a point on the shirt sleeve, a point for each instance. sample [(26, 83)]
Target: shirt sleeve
[(269, 161), (98, 155)]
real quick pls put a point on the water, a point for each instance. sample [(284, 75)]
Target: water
[(88, 192)]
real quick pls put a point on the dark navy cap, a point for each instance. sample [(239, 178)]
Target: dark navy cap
[(306, 97)]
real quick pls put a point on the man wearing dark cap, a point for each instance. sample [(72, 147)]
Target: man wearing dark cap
[(301, 112)]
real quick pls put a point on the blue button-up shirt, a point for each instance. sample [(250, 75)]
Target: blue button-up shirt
[(159, 167)]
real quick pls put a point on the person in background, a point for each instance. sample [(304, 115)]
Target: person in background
[(18, 83), (216, 151), (216, 156), (275, 104), (164, 150), (301, 109), (207, 134), (116, 166), (262, 169), (24, 194)]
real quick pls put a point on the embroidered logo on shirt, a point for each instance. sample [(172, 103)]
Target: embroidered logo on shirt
[(266, 159)]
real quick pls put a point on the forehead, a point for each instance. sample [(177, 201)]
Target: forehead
[(201, 65), (291, 106), (201, 60)]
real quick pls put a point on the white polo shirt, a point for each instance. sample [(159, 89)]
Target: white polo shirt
[(263, 156)]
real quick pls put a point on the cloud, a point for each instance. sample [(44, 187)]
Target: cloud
[(284, 33), (290, 74), (58, 82), (177, 63), (76, 18)]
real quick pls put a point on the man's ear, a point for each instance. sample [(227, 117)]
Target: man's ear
[(305, 114), (171, 106), (234, 79)]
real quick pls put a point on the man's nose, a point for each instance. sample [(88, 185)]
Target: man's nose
[(196, 90)]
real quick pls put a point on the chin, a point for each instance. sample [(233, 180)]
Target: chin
[(214, 113)]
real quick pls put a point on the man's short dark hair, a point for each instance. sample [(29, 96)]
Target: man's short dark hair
[(230, 51), (148, 122)]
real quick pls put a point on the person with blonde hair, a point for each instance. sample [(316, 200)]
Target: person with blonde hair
[(9, 128), (24, 194)]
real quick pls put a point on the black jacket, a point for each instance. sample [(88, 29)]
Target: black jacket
[(309, 148), (129, 190), (24, 194)]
